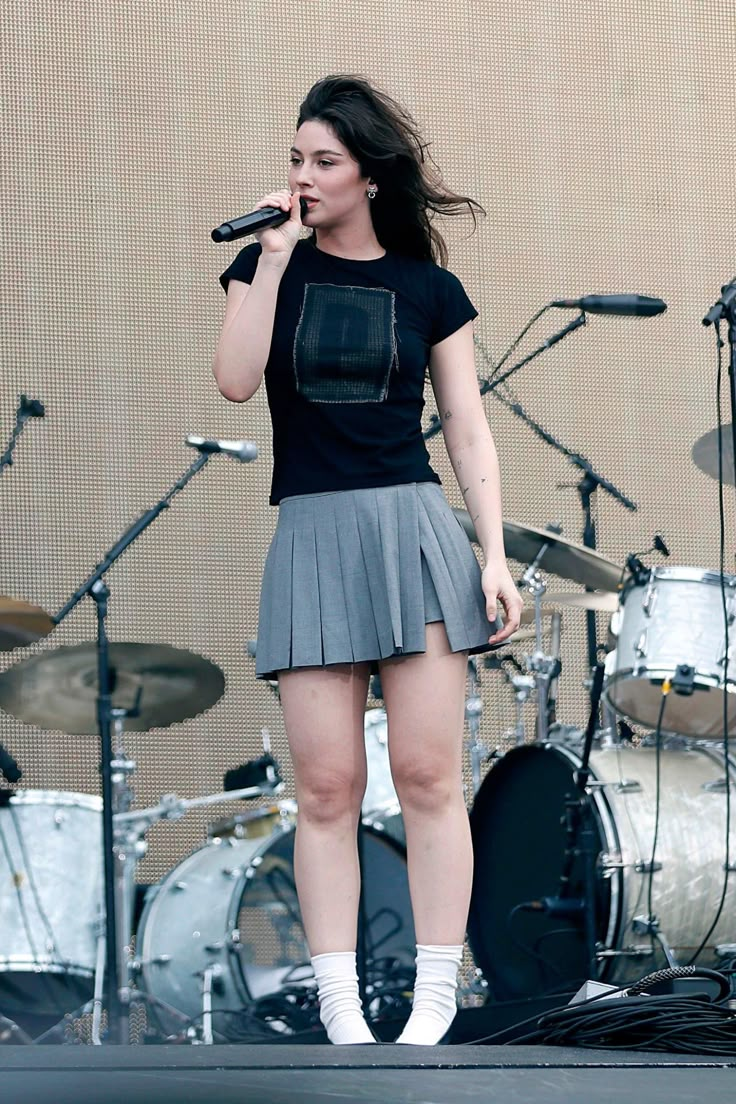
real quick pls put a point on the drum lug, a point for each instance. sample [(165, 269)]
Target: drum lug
[(610, 862), (641, 646), (627, 785), (161, 960), (647, 867), (650, 597), (231, 871), (718, 785), (215, 948), (180, 886)]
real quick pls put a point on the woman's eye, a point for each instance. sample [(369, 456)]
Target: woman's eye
[(327, 163), (294, 161)]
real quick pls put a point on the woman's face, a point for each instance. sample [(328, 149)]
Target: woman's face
[(326, 174)]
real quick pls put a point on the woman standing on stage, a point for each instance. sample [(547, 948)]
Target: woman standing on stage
[(368, 567)]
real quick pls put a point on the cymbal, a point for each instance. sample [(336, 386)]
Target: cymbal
[(22, 624), (563, 557), (58, 689), (606, 602), (705, 453)]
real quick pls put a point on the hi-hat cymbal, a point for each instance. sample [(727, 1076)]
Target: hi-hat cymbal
[(606, 602), (705, 453), (58, 689), (562, 557), (21, 624)]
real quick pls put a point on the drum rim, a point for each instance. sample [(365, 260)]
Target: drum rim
[(678, 573), (21, 964), (58, 798)]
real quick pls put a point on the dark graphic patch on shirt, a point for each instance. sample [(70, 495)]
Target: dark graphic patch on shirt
[(345, 344)]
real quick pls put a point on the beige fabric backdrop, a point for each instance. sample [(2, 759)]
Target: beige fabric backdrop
[(598, 135)]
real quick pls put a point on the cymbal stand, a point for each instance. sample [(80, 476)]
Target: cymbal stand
[(544, 668), (94, 586)]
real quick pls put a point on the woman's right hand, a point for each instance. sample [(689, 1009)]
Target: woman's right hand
[(279, 241)]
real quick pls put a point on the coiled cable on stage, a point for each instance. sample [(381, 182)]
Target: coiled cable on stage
[(633, 1019)]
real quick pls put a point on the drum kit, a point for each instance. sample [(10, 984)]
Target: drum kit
[(596, 850)]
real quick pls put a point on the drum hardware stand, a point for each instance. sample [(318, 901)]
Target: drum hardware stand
[(473, 711), (544, 668), (96, 588), (522, 685), (580, 841), (27, 408)]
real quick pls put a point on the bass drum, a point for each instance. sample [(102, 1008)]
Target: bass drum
[(518, 827), (232, 906)]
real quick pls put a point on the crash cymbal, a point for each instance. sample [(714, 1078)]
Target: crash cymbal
[(21, 624), (58, 689), (606, 602), (563, 557), (705, 453)]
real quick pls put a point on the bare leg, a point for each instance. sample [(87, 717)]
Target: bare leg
[(324, 712), (424, 700), (424, 697)]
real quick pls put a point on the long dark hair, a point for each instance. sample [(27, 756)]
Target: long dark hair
[(385, 141)]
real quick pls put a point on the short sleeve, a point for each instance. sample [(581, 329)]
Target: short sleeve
[(452, 306), (243, 267)]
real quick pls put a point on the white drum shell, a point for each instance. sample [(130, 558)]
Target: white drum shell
[(675, 619), (50, 899)]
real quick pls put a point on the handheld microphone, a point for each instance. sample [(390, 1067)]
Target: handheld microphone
[(642, 306), (260, 219), (244, 451)]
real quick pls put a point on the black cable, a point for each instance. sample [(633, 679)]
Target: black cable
[(724, 606), (657, 803)]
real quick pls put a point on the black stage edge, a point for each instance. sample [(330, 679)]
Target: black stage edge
[(376, 1074)]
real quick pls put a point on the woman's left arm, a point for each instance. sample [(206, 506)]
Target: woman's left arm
[(475, 463)]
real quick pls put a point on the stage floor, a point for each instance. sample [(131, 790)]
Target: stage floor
[(382, 1074)]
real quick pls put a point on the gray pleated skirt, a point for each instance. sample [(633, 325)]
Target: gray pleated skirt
[(354, 576)]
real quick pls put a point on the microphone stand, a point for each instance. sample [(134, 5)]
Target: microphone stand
[(118, 990), (27, 408), (726, 305), (588, 484)]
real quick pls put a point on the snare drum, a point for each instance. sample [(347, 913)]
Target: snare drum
[(674, 618), (519, 839), (50, 900), (232, 906)]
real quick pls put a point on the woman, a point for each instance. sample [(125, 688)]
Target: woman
[(369, 567)]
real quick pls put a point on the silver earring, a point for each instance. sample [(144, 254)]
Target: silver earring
[(372, 191)]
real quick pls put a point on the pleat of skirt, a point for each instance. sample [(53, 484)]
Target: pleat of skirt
[(354, 576)]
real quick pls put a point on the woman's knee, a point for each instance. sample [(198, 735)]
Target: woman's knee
[(425, 785), (328, 796)]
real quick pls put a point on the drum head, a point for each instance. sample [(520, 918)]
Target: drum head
[(519, 839)]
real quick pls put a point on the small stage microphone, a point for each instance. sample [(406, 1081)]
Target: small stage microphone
[(30, 408), (244, 451), (260, 219), (642, 306)]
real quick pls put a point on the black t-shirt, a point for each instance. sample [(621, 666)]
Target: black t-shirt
[(346, 370)]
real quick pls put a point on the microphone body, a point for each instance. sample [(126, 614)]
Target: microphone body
[(244, 451), (641, 306), (260, 219)]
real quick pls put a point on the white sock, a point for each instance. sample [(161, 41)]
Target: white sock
[(340, 1009), (435, 1004)]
